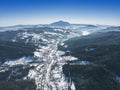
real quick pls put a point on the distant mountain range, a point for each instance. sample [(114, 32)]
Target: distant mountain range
[(60, 23)]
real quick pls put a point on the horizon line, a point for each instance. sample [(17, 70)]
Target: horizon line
[(58, 21)]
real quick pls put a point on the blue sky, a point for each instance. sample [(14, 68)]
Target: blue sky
[(13, 12)]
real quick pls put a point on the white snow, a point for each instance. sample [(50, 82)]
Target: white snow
[(85, 33), (72, 86), (51, 33), (32, 74), (21, 61), (3, 69), (37, 54), (80, 63)]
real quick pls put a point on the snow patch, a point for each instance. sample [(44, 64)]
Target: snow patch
[(72, 86), (21, 61), (84, 33)]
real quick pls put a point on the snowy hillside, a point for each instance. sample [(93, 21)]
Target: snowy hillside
[(31, 54)]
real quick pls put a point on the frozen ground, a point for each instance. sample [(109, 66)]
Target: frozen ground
[(48, 73)]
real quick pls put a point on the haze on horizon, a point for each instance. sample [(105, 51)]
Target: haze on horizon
[(14, 12)]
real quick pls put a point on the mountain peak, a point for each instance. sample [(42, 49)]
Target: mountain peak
[(60, 23)]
